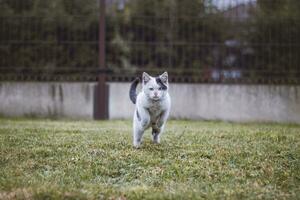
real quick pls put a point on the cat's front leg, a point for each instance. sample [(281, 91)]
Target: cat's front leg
[(137, 136), (156, 134), (141, 123), (159, 126)]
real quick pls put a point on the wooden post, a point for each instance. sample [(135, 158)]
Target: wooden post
[(101, 90)]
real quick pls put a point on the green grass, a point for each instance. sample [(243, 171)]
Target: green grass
[(43, 159)]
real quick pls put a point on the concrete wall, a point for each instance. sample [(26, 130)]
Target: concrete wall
[(238, 102), (241, 103), (71, 100)]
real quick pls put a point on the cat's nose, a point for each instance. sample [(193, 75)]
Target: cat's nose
[(155, 94)]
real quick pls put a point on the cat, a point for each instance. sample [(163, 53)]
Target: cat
[(152, 108)]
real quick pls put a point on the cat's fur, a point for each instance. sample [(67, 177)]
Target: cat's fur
[(152, 106)]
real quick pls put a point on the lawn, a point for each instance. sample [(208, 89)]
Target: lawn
[(42, 159)]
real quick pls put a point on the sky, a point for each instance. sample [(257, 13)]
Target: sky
[(228, 3), (221, 4)]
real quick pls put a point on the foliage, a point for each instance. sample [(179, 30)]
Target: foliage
[(45, 159), (180, 36), (276, 35), (64, 33), (48, 34), (167, 33)]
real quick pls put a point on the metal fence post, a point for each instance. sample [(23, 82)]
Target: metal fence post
[(101, 90)]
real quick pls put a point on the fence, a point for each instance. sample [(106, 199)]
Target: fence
[(194, 40)]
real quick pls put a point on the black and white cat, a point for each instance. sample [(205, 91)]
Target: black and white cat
[(152, 106)]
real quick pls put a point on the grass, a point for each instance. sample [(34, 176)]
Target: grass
[(46, 159)]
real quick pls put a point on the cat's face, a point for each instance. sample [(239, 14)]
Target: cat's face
[(155, 87)]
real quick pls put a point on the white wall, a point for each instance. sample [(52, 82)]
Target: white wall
[(237, 102), (71, 100), (242, 103)]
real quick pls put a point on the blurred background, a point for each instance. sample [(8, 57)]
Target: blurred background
[(229, 56)]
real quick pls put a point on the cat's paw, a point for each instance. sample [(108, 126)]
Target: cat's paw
[(137, 145), (156, 139)]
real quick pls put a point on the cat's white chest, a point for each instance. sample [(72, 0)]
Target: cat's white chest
[(155, 109)]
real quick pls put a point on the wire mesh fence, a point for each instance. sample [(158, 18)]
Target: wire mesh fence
[(224, 41)]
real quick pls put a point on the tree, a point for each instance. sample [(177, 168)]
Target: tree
[(169, 33), (275, 36), (49, 34)]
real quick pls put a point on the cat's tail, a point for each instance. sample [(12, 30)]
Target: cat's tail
[(132, 91)]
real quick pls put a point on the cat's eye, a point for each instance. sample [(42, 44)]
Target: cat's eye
[(151, 89), (160, 88)]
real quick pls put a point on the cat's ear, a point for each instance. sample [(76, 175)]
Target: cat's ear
[(146, 77), (164, 77)]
